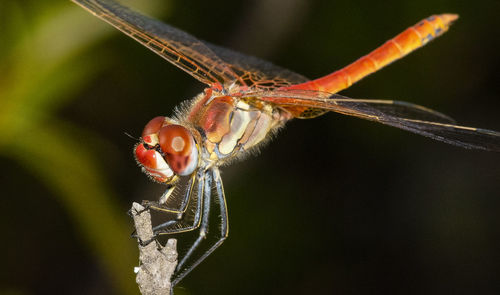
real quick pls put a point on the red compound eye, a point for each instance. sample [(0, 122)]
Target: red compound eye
[(153, 126), (176, 142)]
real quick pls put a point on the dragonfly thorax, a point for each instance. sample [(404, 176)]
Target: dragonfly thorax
[(232, 125), (167, 150)]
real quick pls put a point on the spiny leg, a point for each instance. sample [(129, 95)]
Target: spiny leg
[(168, 226), (214, 175), (161, 204), (204, 223)]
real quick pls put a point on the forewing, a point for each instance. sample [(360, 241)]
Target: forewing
[(176, 46), (403, 115), (210, 64), (257, 73)]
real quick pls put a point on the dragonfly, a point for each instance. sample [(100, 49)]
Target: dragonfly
[(245, 102)]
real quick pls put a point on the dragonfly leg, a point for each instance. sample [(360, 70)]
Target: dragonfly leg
[(190, 261), (160, 205), (147, 204), (175, 225)]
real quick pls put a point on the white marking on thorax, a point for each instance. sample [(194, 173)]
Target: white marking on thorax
[(262, 128), (242, 105), (239, 124), (248, 128)]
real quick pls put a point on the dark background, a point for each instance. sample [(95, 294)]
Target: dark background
[(331, 205)]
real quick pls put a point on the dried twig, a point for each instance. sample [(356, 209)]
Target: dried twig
[(157, 263)]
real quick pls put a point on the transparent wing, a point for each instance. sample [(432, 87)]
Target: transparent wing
[(255, 72), (403, 115), (174, 45), (210, 64)]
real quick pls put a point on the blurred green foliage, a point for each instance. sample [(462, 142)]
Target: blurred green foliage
[(44, 61)]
